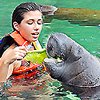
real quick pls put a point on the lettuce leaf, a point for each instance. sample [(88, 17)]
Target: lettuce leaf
[(36, 56)]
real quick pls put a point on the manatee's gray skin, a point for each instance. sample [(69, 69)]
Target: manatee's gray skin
[(79, 16), (48, 9), (78, 69)]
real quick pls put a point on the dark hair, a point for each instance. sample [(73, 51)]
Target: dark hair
[(21, 9)]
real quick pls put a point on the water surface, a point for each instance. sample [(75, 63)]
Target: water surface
[(87, 36)]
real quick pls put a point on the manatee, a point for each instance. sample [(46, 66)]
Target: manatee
[(81, 16), (73, 65)]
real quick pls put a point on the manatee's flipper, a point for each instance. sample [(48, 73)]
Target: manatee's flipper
[(55, 71)]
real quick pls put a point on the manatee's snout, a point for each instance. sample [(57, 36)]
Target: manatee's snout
[(48, 10), (49, 63), (56, 48)]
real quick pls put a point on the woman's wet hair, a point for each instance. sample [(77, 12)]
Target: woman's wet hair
[(23, 8)]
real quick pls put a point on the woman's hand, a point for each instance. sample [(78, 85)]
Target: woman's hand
[(13, 54)]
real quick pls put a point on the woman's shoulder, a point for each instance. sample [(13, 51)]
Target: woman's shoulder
[(5, 43)]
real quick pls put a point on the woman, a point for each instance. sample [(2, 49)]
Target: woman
[(27, 24)]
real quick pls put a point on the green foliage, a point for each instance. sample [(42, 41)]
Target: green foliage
[(36, 56)]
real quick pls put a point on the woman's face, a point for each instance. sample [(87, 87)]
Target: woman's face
[(30, 27)]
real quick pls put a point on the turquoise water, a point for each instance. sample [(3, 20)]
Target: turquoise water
[(87, 36)]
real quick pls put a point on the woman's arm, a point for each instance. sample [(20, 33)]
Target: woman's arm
[(3, 70), (10, 58)]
